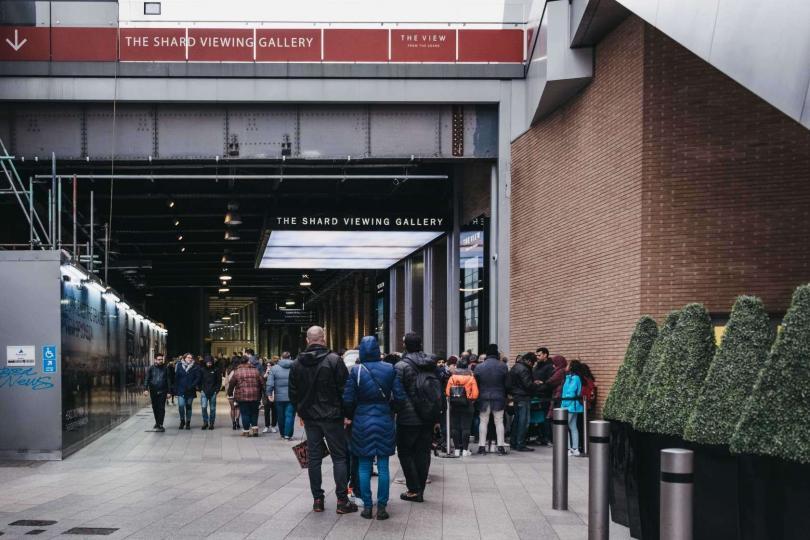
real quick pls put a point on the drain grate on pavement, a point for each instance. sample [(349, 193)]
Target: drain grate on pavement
[(98, 531), (33, 523)]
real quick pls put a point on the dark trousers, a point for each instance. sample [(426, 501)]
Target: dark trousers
[(158, 406), (249, 411), (332, 431), (460, 424), (413, 447), (270, 418), (520, 424)]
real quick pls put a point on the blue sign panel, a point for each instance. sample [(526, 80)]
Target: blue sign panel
[(49, 358)]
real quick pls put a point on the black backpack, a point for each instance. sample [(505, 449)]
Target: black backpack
[(428, 402), (458, 395)]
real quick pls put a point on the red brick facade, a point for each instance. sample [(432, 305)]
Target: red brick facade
[(663, 183)]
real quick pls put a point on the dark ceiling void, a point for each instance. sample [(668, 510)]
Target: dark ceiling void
[(171, 234)]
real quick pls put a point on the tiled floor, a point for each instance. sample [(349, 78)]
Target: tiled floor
[(203, 484)]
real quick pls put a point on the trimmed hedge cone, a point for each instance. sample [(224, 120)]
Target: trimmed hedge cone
[(618, 409), (774, 435), (731, 376), (621, 398), (655, 358)]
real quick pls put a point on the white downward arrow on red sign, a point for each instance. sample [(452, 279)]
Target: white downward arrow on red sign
[(17, 44)]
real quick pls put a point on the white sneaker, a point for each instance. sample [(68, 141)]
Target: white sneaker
[(266, 430), (273, 429), (457, 453), (466, 453)]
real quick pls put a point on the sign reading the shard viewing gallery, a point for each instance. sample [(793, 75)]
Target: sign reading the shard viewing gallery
[(360, 223)]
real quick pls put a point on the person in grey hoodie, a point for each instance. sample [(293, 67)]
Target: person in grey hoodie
[(278, 391)]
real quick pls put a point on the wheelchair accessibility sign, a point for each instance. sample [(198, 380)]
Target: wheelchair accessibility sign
[(49, 358)]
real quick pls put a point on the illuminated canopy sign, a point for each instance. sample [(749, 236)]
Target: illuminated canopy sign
[(346, 242)]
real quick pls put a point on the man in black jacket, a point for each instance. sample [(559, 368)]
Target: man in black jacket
[(522, 388), (414, 434), (543, 369), (157, 388), (211, 384), (316, 386)]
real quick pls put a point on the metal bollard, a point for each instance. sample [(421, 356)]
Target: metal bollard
[(585, 439), (677, 477), (559, 494), (598, 469)]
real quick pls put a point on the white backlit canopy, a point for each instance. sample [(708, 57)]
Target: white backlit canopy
[(342, 250)]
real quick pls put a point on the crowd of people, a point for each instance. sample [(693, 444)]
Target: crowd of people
[(380, 406)]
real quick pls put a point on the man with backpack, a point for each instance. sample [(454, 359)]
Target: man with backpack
[(418, 415)]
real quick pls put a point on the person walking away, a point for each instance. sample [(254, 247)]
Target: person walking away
[(157, 388), (372, 391), (521, 386), (278, 391), (246, 386), (171, 367), (419, 414), (187, 380), (462, 391), (491, 377), (571, 399), (232, 405), (211, 383), (316, 384)]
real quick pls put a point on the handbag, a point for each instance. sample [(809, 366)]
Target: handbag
[(373, 378), (301, 452)]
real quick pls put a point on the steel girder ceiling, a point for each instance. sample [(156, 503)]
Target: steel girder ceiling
[(183, 132)]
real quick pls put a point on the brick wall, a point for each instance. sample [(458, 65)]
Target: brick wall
[(576, 216), (726, 189), (663, 182)]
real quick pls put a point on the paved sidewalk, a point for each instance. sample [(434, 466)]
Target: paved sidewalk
[(216, 484)]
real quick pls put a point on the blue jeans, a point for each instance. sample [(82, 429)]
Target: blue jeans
[(184, 407), (520, 425), (573, 430), (383, 480), (249, 410), (285, 413), (209, 404)]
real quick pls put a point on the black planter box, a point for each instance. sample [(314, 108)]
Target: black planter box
[(716, 493), (648, 475), (619, 471)]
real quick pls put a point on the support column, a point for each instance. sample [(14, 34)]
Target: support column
[(452, 255), (500, 227), (427, 300), (408, 304), (392, 309)]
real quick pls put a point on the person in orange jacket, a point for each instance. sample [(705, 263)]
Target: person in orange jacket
[(462, 391)]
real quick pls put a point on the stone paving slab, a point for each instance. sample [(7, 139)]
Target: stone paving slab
[(219, 485)]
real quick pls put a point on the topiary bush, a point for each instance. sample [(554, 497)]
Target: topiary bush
[(776, 417), (620, 400), (679, 375), (656, 356), (732, 374)]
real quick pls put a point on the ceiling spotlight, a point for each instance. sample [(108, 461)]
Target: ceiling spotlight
[(305, 283), (227, 258), (235, 313), (225, 275), (290, 302), (226, 317), (231, 235), (232, 217), (176, 222), (179, 237), (182, 249), (224, 289), (170, 203)]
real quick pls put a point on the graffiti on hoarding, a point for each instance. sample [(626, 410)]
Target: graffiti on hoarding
[(27, 377), (75, 418)]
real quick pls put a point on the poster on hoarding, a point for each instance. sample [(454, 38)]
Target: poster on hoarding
[(21, 355)]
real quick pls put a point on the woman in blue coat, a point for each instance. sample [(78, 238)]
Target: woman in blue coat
[(372, 389)]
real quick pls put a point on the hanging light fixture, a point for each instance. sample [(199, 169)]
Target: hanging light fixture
[(224, 289), (170, 203), (225, 276), (176, 222), (232, 217), (290, 302), (305, 282), (231, 235), (227, 258), (179, 237)]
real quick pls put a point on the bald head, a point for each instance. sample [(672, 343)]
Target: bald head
[(316, 336)]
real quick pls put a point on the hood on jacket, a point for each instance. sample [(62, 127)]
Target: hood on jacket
[(421, 361), (369, 349), (286, 363), (313, 355), (558, 361)]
